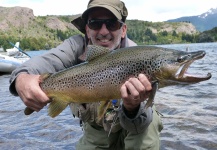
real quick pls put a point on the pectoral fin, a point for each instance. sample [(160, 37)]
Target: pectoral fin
[(150, 101), (56, 107), (102, 109)]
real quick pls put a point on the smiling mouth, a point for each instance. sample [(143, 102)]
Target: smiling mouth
[(104, 40), (183, 75)]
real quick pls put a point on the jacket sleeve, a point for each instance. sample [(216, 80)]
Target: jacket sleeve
[(56, 59), (139, 123)]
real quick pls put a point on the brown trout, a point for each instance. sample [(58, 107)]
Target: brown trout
[(103, 73)]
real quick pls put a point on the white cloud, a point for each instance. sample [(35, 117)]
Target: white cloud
[(150, 10), (158, 10)]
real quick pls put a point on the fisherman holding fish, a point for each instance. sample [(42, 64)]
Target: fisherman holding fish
[(127, 124)]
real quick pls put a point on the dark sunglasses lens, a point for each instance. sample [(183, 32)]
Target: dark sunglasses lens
[(95, 25), (111, 25)]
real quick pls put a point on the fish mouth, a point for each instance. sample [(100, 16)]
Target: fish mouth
[(184, 76)]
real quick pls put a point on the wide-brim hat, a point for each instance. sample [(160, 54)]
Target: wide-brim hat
[(117, 7)]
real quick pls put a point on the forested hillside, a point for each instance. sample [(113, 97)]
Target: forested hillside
[(45, 32)]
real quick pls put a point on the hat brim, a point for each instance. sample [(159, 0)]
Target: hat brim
[(79, 23)]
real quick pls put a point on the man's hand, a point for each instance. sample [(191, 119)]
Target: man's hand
[(28, 89), (134, 91)]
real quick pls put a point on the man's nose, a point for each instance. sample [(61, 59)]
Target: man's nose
[(103, 30)]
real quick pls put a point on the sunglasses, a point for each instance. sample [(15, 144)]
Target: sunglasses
[(111, 24)]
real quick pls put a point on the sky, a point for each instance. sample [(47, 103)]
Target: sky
[(147, 10)]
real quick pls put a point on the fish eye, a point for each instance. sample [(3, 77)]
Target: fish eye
[(183, 58), (180, 59)]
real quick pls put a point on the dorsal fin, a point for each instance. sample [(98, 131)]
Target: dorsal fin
[(94, 51)]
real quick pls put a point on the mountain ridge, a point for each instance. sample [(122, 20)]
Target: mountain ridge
[(44, 32), (203, 22)]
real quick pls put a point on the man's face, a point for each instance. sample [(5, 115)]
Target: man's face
[(103, 36)]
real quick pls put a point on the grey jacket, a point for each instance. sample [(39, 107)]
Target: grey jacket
[(66, 55)]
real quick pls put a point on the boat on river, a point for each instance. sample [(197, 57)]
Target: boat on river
[(12, 58)]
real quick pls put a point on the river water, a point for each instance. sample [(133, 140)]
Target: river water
[(189, 114)]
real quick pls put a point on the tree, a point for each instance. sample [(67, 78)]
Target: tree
[(187, 37), (205, 38), (148, 32), (174, 33), (164, 33)]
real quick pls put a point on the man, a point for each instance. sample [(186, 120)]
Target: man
[(134, 127)]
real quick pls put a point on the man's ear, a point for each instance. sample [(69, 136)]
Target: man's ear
[(87, 31), (124, 30)]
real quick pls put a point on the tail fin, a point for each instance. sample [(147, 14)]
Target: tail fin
[(44, 76), (28, 111)]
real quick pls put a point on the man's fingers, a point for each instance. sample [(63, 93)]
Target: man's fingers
[(130, 85), (124, 92), (30, 92), (144, 80)]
